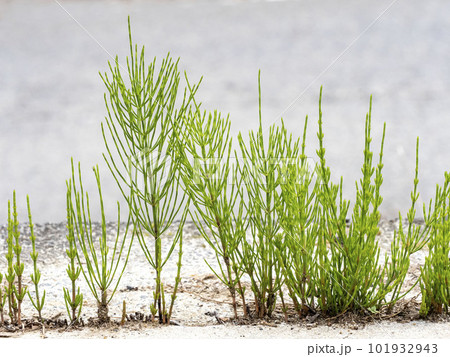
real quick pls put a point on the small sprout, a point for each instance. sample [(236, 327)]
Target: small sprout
[(15, 291), (38, 302), (11, 274), (73, 298)]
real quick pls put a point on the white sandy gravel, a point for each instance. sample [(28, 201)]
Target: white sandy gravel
[(201, 296)]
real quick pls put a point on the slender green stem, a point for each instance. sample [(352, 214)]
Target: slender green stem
[(38, 302)]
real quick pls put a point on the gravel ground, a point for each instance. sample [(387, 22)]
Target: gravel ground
[(201, 297)]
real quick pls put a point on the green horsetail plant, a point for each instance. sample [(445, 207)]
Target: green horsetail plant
[(435, 274), (38, 302), (20, 290), (73, 298), (350, 274), (205, 151), (404, 244), (16, 292), (298, 216), (10, 274), (260, 173), (100, 261), (141, 155)]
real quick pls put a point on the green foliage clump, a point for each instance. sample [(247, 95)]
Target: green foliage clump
[(207, 171), (435, 274), (353, 269), (262, 182), (141, 148), (297, 248), (270, 219), (357, 279), (99, 263), (277, 225), (15, 290), (405, 244)]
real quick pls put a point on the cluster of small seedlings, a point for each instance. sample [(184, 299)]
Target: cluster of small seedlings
[(13, 292), (270, 218)]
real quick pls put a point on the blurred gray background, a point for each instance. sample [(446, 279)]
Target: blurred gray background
[(51, 96)]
